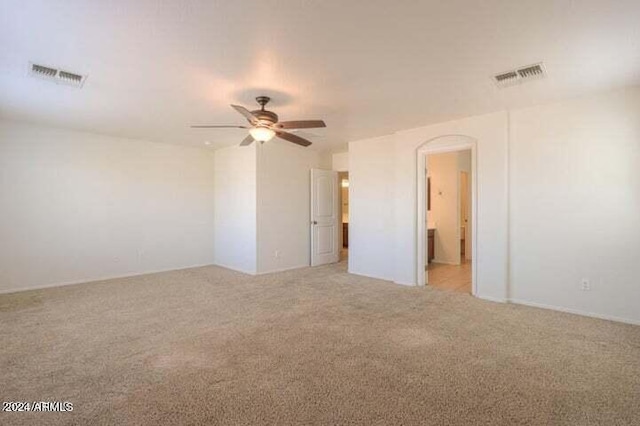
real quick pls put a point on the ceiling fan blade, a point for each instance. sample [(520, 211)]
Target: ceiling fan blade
[(246, 113), (290, 137), (247, 141), (219, 127), (301, 124)]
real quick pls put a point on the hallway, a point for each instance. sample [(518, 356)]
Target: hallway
[(450, 277)]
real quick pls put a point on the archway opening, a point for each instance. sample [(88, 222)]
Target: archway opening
[(447, 237)]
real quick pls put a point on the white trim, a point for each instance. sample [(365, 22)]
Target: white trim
[(438, 145), (507, 266), (489, 299), (492, 299), (390, 280), (288, 268), (103, 278), (235, 269), (574, 311), (405, 284)]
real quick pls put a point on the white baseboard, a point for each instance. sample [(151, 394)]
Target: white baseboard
[(405, 284), (487, 298), (371, 276), (391, 280), (101, 278), (288, 268), (491, 299), (575, 311), (233, 268)]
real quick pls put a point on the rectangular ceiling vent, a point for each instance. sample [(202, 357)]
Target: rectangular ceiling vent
[(520, 75), (56, 76)]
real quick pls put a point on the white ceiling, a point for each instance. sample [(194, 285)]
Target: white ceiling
[(367, 67)]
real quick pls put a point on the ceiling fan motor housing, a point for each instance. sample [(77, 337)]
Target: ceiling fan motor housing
[(265, 125), (267, 117)]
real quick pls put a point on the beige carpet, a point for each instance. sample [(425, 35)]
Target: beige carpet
[(313, 346)]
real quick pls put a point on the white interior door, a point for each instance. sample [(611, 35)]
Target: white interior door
[(325, 220)]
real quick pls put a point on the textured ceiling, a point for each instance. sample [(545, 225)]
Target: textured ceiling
[(367, 68)]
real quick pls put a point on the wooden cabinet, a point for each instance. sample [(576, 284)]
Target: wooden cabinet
[(345, 235), (431, 245)]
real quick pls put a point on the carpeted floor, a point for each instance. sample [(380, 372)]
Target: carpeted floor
[(312, 346)]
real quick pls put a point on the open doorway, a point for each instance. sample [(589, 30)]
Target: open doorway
[(446, 211), (343, 178)]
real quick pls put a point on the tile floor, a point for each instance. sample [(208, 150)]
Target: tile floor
[(344, 254), (450, 277)]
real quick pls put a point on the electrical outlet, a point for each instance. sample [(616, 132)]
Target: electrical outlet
[(585, 285)]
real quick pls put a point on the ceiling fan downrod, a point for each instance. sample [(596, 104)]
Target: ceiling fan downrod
[(263, 100)]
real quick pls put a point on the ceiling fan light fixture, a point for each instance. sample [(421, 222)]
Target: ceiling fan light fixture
[(264, 125), (262, 134)]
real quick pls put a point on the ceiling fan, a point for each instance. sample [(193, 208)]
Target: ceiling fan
[(265, 125)]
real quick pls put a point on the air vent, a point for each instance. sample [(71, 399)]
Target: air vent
[(507, 78), (56, 76), (534, 71), (520, 75), (70, 77), (43, 71)]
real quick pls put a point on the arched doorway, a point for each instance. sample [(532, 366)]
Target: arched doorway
[(438, 145)]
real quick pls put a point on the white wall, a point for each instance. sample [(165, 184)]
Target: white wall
[(78, 206), (558, 200), (575, 204), (236, 208), (443, 216), (283, 235), (340, 162), (372, 225), (262, 196), (383, 189), (325, 159)]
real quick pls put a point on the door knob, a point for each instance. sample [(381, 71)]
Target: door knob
[(314, 222)]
